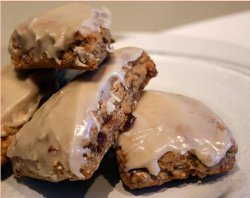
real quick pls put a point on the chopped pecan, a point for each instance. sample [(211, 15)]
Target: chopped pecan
[(53, 150), (101, 139), (130, 120)]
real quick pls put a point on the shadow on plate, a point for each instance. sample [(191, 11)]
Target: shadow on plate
[(6, 171), (107, 169)]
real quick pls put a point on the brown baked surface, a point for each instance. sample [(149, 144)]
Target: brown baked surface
[(173, 166), (7, 134), (137, 76), (95, 46)]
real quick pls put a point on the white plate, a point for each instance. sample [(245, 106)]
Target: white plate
[(221, 83)]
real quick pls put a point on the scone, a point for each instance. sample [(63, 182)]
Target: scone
[(22, 93), (69, 135), (71, 36), (173, 137)]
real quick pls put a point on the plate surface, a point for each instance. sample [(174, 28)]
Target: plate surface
[(224, 85)]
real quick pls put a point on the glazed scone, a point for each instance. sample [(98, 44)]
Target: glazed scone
[(173, 137), (69, 135), (71, 36), (22, 92)]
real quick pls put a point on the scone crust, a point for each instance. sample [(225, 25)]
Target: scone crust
[(94, 47), (7, 134), (173, 166)]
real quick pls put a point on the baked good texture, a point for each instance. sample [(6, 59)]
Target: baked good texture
[(6, 141), (71, 36), (83, 118), (173, 166), (173, 137)]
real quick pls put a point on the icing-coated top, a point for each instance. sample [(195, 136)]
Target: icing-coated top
[(54, 30), (66, 119), (20, 97), (170, 122)]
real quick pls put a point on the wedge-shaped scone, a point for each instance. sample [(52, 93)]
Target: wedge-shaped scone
[(21, 94), (71, 36), (173, 137), (69, 135)]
